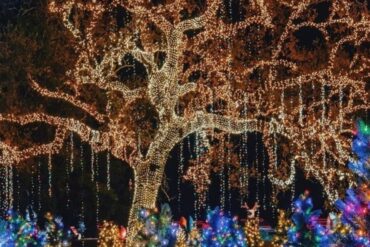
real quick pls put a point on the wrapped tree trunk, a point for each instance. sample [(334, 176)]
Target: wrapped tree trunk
[(147, 180)]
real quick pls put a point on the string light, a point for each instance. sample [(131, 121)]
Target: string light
[(82, 214), (292, 191), (244, 168), (67, 167), (18, 187), (228, 165), (97, 189), (251, 227), (50, 169), (244, 148), (109, 108), (109, 235), (300, 105), (273, 202), (2, 192), (11, 186), (33, 192), (264, 179), (6, 203), (280, 236), (256, 163), (222, 176), (39, 182), (180, 174), (198, 174), (108, 171), (71, 161), (340, 107), (92, 161)]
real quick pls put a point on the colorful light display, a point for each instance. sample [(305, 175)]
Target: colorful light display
[(306, 231), (16, 230), (56, 234), (156, 228), (252, 232), (355, 207), (109, 235), (280, 237), (222, 230)]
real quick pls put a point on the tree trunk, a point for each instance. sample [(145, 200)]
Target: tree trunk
[(148, 179)]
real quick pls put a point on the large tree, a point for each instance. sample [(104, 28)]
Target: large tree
[(145, 74)]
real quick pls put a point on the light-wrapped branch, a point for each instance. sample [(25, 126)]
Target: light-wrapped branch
[(68, 98), (62, 125)]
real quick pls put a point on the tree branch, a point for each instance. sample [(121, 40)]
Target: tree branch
[(68, 98), (195, 23), (12, 154)]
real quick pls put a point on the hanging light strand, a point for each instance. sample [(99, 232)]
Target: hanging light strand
[(97, 189), (92, 160), (82, 214), (108, 170), (39, 182), (50, 170), (180, 172)]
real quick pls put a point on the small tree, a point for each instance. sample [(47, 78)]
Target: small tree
[(306, 231), (16, 230), (222, 231), (281, 234), (109, 235), (56, 235), (354, 208), (157, 228)]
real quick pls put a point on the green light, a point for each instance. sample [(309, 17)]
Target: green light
[(364, 128)]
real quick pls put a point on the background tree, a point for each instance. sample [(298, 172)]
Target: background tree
[(281, 232)]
